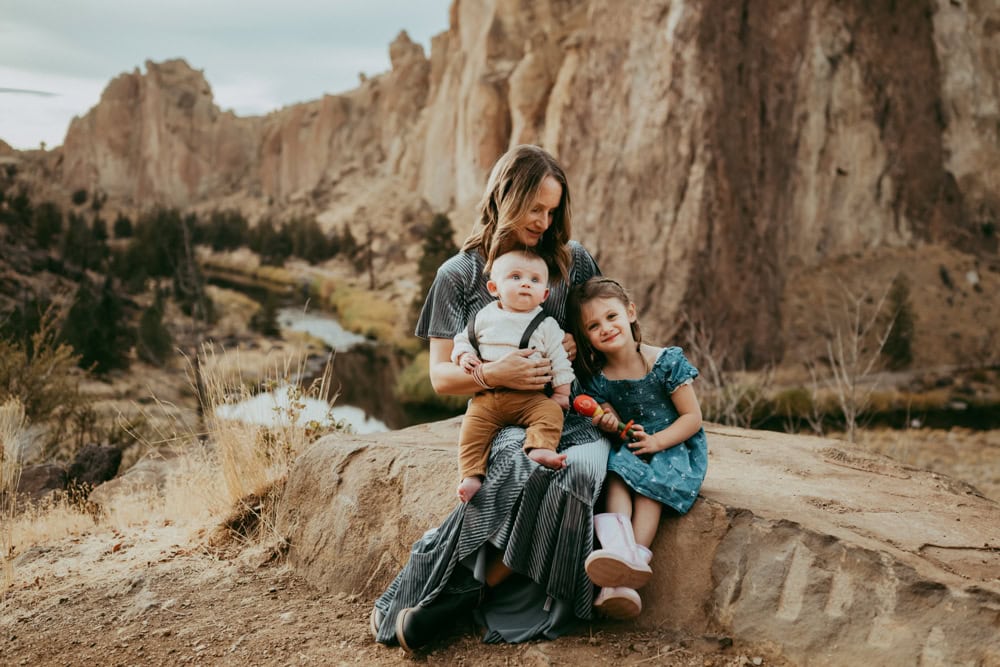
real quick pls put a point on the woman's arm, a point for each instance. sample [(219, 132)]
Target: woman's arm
[(514, 370)]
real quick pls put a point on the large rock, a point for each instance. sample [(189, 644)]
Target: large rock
[(40, 482), (94, 464), (837, 556)]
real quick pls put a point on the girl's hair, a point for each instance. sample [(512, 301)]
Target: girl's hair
[(510, 193), (589, 360)]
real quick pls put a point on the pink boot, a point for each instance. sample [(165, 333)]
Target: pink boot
[(619, 602), (620, 561)]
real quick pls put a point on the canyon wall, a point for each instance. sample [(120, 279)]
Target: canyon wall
[(709, 145)]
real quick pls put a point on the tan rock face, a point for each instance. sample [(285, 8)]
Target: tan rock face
[(834, 555), (158, 138), (708, 145)]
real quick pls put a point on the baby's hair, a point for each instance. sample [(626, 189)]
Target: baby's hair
[(589, 360), (531, 253)]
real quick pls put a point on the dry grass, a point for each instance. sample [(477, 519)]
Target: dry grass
[(212, 471), (12, 424)]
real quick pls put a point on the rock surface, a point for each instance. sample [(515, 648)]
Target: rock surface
[(730, 143), (832, 554)]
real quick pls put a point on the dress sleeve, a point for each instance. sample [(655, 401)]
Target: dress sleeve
[(674, 369), (584, 265), (445, 310)]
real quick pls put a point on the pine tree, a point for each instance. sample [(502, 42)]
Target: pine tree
[(898, 347), (95, 326), (78, 245), (122, 227), (439, 245), (47, 223), (154, 343)]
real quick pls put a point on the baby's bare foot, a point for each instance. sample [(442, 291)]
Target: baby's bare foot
[(468, 487), (548, 458)]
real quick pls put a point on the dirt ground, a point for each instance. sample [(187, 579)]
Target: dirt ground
[(155, 596)]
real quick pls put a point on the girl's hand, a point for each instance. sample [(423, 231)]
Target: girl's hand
[(517, 370), (642, 442), (606, 422), (569, 344)]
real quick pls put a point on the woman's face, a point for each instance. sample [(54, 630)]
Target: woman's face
[(540, 213)]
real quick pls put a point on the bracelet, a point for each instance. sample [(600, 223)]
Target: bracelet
[(477, 375)]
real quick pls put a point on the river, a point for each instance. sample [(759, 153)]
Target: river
[(363, 377)]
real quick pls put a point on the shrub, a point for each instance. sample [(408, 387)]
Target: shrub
[(413, 387), (265, 320), (42, 377), (79, 197)]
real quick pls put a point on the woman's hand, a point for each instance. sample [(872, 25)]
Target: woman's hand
[(517, 370), (569, 344)]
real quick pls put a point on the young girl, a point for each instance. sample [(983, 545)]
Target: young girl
[(664, 460)]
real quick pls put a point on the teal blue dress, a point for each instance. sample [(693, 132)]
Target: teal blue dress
[(672, 476)]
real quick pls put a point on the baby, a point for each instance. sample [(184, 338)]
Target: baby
[(519, 280)]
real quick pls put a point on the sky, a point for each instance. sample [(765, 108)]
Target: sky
[(56, 56)]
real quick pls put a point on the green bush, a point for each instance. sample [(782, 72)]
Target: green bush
[(413, 387), (796, 402)]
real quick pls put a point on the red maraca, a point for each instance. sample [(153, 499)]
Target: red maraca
[(588, 407)]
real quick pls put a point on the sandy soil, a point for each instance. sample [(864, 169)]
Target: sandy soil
[(155, 596)]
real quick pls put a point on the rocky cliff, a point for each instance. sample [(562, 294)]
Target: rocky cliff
[(710, 145), (835, 556)]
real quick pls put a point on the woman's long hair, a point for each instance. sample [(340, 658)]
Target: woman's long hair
[(589, 361), (510, 192)]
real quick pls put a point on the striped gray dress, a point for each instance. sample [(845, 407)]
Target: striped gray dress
[(539, 519)]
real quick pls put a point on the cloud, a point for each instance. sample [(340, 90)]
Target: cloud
[(22, 91)]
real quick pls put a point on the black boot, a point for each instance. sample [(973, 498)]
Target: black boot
[(416, 626)]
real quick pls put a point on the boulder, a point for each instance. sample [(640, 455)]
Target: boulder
[(835, 555), (148, 476), (93, 465), (38, 482)]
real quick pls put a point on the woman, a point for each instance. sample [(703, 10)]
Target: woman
[(525, 535)]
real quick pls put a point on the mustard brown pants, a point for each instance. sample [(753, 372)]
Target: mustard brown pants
[(491, 410)]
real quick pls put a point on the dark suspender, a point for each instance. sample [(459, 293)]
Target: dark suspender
[(525, 339)]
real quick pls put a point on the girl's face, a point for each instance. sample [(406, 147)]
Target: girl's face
[(540, 214), (607, 324)]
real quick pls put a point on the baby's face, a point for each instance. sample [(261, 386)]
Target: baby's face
[(520, 281)]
